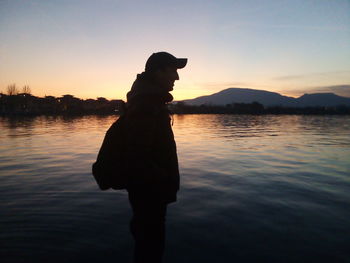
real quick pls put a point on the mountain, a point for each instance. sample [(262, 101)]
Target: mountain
[(267, 98), (322, 99)]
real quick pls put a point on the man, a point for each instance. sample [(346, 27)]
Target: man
[(151, 158)]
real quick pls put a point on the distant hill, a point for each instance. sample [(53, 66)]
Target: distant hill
[(267, 98), (322, 99)]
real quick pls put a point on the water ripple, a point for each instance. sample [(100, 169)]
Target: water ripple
[(261, 187)]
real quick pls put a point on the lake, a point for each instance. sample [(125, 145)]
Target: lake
[(253, 189)]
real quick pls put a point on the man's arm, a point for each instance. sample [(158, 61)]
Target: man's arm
[(140, 140)]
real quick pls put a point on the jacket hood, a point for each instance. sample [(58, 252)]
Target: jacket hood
[(144, 88)]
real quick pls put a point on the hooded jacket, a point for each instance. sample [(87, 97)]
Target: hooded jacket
[(151, 158)]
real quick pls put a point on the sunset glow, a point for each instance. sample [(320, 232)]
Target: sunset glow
[(95, 48)]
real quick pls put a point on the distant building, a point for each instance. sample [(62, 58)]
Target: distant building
[(25, 103)]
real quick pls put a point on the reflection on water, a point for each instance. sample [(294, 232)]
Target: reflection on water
[(254, 189)]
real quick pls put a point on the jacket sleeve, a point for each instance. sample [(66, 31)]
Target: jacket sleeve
[(140, 159)]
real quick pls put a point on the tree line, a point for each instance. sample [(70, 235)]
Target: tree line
[(255, 108), (22, 102)]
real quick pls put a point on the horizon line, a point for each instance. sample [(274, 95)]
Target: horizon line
[(305, 93)]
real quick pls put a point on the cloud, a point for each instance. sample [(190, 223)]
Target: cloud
[(239, 25), (312, 75), (222, 84), (231, 84), (340, 90), (319, 28)]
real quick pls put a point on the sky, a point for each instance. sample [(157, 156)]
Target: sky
[(96, 48)]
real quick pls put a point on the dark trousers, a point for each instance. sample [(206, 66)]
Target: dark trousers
[(147, 227)]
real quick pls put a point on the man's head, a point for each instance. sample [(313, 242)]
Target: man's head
[(163, 67)]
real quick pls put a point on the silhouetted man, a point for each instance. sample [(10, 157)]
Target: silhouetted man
[(151, 156)]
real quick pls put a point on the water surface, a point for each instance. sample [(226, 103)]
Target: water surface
[(253, 189)]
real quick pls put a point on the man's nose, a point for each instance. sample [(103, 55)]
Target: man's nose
[(177, 76)]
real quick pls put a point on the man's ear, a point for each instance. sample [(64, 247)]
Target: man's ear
[(158, 73)]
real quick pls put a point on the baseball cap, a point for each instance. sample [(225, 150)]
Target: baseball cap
[(162, 60)]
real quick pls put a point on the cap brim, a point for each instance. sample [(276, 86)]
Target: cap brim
[(181, 62)]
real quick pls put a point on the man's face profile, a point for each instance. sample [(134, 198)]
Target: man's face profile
[(166, 77)]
